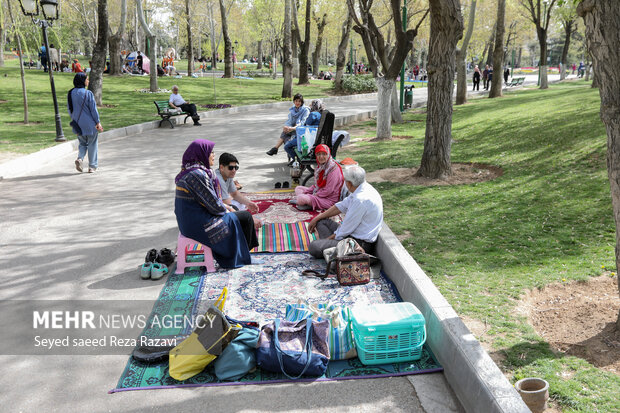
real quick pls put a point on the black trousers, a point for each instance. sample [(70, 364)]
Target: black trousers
[(247, 225), (476, 84), (191, 109)]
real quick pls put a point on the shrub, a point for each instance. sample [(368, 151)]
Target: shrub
[(359, 84)]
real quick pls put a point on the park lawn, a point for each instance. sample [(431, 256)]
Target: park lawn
[(125, 104), (547, 219)]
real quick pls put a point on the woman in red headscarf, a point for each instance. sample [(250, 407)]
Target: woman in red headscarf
[(328, 180)]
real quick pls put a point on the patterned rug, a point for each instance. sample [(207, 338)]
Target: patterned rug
[(284, 237), (260, 293), (273, 208)]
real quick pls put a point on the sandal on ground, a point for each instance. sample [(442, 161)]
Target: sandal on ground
[(285, 184), (151, 255), (278, 185), (165, 256), (145, 270), (158, 271)]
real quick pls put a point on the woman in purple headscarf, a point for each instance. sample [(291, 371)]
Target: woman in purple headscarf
[(202, 215)]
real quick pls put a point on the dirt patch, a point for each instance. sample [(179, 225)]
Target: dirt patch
[(401, 237), (393, 138), (462, 173), (3, 101), (578, 318), (109, 106)]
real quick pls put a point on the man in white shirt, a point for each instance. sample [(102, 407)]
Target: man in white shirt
[(232, 198), (177, 101), (363, 218)]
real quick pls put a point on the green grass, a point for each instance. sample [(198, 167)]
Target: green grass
[(547, 218), (129, 105)]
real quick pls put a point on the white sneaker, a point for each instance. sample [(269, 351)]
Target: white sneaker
[(92, 170)]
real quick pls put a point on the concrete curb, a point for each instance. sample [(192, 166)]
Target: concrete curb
[(477, 381), (24, 164)]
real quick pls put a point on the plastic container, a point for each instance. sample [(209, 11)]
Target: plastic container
[(388, 333)]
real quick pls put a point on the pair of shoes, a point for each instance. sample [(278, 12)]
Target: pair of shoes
[(163, 256), (197, 124), (285, 184), (278, 185), (92, 170), (153, 270), (78, 165), (303, 207), (272, 151)]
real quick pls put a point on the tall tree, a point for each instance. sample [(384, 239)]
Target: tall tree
[(17, 36), (391, 58), (320, 27), (115, 40), (461, 55), (150, 34), (341, 56), (190, 43), (446, 30), (99, 54), (602, 20), (287, 55), (304, 45), (540, 14), (259, 53), (498, 52), (228, 58), (567, 13), (2, 34)]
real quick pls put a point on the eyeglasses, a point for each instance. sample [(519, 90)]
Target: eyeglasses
[(233, 168)]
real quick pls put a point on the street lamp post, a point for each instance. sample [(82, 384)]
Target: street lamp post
[(50, 13)]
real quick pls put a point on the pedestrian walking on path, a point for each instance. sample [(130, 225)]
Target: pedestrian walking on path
[(84, 121)]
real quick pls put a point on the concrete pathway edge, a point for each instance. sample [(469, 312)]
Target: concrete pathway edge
[(477, 381), (28, 163)]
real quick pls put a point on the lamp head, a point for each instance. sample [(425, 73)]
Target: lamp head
[(50, 9), (29, 7)]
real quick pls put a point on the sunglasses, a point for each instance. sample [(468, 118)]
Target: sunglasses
[(233, 168)]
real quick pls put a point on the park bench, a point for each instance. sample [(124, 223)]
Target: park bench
[(166, 112), (515, 81)]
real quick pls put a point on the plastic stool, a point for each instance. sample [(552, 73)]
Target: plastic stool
[(199, 248)]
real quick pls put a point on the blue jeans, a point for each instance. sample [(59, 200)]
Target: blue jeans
[(88, 143), (290, 147)]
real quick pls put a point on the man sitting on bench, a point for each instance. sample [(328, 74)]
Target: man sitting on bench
[(177, 101), (363, 218)]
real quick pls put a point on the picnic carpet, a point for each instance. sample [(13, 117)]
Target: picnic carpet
[(284, 237), (260, 293), (273, 208)]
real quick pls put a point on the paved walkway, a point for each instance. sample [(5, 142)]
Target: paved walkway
[(66, 235)]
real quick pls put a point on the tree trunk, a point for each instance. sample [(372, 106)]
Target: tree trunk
[(320, 26), (461, 55), (21, 66), (259, 64), (153, 49), (287, 62), (542, 41), (498, 53), (384, 107), (602, 20), (212, 37), (397, 117), (99, 54), (341, 55), (228, 63), (304, 47), (114, 42), (446, 29), (190, 43), (2, 42), (486, 56), (568, 30)]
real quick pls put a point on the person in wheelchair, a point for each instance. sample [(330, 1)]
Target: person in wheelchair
[(328, 180)]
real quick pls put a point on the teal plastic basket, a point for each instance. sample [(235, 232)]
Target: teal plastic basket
[(388, 333)]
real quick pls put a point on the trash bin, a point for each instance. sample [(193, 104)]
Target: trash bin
[(408, 96)]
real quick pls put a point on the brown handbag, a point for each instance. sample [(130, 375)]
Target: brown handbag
[(352, 264)]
